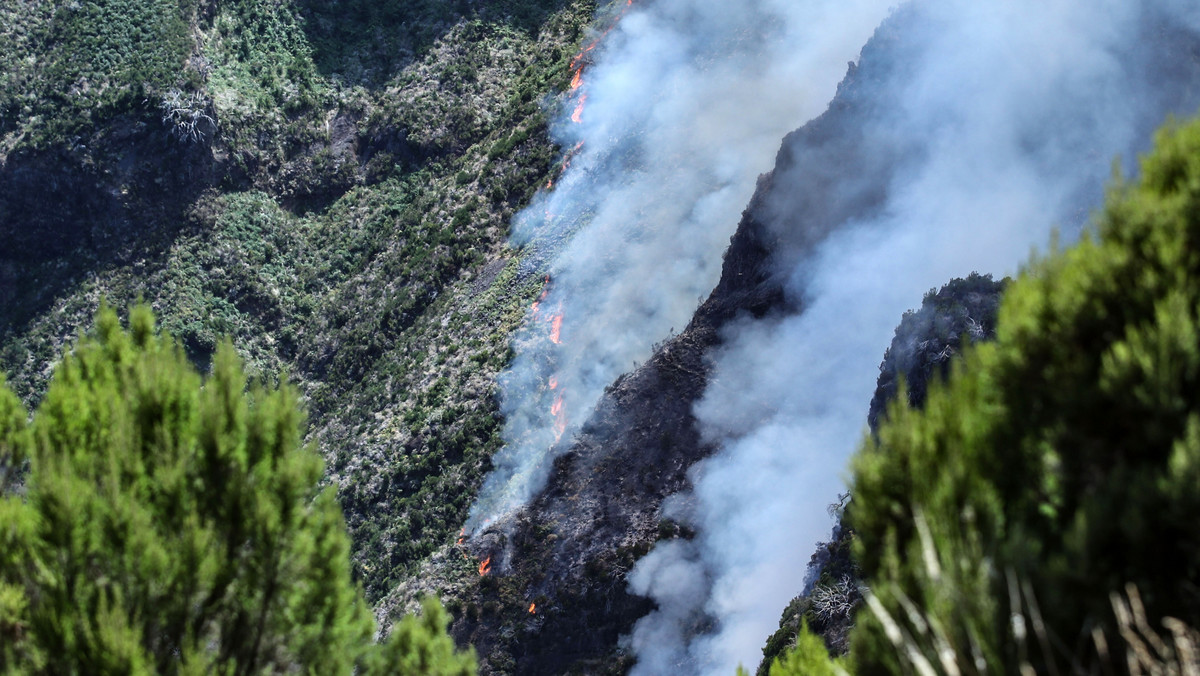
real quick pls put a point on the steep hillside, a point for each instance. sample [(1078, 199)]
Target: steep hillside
[(331, 188), (551, 590), (569, 554), (926, 343)]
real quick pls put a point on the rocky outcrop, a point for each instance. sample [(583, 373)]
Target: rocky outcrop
[(927, 339), (926, 342)]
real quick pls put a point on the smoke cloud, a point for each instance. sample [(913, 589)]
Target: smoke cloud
[(682, 105), (1011, 113)]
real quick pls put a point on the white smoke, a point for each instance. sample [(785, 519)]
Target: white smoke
[(686, 103), (1015, 110)]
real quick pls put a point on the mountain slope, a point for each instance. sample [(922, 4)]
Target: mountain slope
[(571, 551), (570, 554), (332, 190)]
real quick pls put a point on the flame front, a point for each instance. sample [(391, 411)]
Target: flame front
[(579, 65), (532, 608), (556, 329), (485, 566), (542, 297), (577, 116), (462, 535), (560, 417)]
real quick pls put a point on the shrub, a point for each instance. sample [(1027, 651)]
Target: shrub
[(175, 525), (1059, 463)]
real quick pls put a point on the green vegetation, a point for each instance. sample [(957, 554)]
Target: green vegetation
[(134, 49), (999, 528), (806, 658), (170, 525), (341, 217)]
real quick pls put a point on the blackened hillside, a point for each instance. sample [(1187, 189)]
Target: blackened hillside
[(571, 550)]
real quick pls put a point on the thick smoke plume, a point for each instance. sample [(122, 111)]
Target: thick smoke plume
[(1009, 115), (679, 107)]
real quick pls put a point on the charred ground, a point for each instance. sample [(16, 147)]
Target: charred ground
[(571, 550)]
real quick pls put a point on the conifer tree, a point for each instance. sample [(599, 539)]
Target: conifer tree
[(1058, 470), (172, 525)]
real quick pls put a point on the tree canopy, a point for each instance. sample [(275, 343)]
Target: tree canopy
[(173, 524), (1059, 467)]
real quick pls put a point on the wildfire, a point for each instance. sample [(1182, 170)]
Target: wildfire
[(579, 65), (560, 427), (532, 608), (577, 116), (545, 292), (462, 535), (553, 382), (560, 417), (556, 329), (576, 62), (485, 566)]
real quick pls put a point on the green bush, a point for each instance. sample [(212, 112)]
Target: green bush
[(1058, 464), (174, 525), (807, 657)]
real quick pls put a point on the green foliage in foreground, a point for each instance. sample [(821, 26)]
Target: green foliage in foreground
[(807, 658), (1058, 464), (170, 525)]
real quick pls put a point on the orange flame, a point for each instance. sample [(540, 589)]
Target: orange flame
[(462, 535), (556, 329), (575, 62), (560, 417), (532, 608), (542, 297), (553, 382), (578, 65), (591, 46), (485, 566), (577, 116)]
